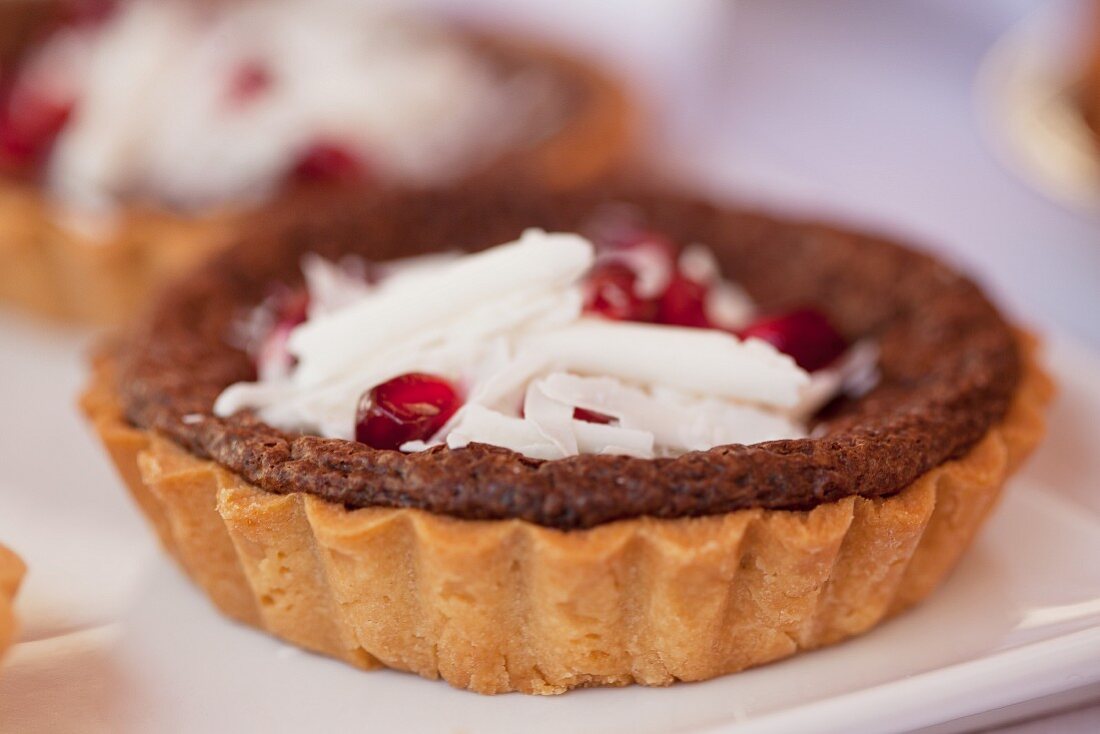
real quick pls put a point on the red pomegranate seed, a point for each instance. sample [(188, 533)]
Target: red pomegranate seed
[(805, 334), (292, 308), (611, 291), (249, 80), (272, 358), (29, 125), (654, 242), (628, 237), (329, 162), (289, 309), (591, 416), (683, 303), (642, 248), (409, 407)]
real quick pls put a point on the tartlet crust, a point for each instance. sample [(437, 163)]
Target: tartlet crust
[(508, 605), (55, 271), (11, 575)]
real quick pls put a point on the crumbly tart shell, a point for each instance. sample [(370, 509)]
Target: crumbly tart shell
[(53, 270), (11, 574), (507, 605)]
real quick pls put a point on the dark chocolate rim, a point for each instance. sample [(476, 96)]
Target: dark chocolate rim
[(949, 365)]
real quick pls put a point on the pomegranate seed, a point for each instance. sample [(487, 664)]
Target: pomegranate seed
[(292, 307), (610, 291), (629, 237), (591, 416), (329, 162), (249, 80), (683, 303), (272, 359), (653, 242), (410, 407), (29, 125), (804, 334), (643, 250)]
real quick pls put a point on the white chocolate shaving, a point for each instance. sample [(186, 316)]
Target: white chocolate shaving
[(854, 373), (333, 287), (678, 422), (700, 361), (482, 425), (537, 261)]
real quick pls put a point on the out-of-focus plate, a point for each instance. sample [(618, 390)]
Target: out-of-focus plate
[(115, 639), (1025, 98)]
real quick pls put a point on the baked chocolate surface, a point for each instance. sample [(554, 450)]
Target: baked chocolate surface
[(948, 361)]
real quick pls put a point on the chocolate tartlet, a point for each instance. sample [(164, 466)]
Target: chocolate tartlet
[(592, 569), (85, 267)]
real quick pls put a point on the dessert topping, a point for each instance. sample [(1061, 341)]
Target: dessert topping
[(249, 81), (325, 161), (611, 291), (542, 371), (409, 407), (30, 120), (272, 358), (683, 303), (805, 334)]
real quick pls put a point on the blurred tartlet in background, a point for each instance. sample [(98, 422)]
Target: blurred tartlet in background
[(11, 574), (137, 136), (1039, 101)]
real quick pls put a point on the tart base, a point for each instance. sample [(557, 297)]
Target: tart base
[(11, 574), (497, 606)]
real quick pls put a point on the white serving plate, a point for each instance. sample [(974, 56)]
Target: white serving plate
[(115, 639)]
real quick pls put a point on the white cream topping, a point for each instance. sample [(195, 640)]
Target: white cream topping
[(506, 325), (156, 118), (485, 292)]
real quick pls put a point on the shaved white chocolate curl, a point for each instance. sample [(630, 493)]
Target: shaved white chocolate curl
[(702, 361), (481, 425), (509, 275), (506, 325), (678, 421)]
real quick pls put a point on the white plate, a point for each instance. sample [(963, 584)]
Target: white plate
[(116, 640)]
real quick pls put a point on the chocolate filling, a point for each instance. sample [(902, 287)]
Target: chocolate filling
[(949, 365)]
